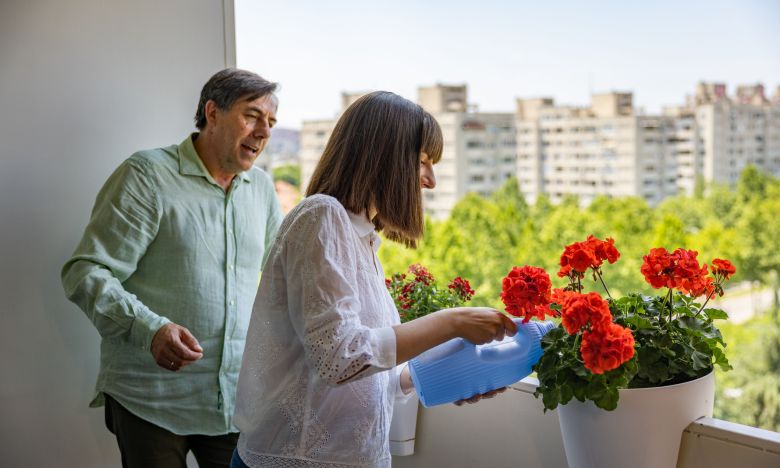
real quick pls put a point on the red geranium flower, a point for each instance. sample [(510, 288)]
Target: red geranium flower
[(421, 274), (526, 292), (677, 270), (603, 249), (462, 288), (607, 348), (582, 310), (723, 268), (559, 296), (580, 256), (690, 277), (657, 268)]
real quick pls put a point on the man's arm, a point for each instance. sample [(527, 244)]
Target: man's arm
[(124, 221)]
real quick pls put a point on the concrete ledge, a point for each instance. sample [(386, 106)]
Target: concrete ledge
[(714, 443)]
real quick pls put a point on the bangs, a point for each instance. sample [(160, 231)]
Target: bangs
[(432, 140)]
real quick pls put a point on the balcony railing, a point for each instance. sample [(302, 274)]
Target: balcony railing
[(511, 430)]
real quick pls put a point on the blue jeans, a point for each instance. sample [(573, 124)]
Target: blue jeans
[(236, 461)]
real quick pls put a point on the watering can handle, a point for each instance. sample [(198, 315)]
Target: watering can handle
[(507, 349)]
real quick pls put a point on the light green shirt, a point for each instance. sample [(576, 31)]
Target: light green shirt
[(165, 243)]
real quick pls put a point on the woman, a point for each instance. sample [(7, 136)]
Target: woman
[(314, 388)]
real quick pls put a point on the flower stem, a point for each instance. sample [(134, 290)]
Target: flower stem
[(709, 296), (603, 283)]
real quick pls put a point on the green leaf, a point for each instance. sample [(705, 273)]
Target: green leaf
[(720, 359), (551, 397), (701, 360), (566, 393), (715, 314), (608, 400), (579, 391), (581, 371), (596, 388), (638, 322), (691, 323)]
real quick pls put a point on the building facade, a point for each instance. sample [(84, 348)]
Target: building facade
[(606, 148), (479, 148)]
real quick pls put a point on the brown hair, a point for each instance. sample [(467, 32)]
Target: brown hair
[(373, 158), (228, 86)]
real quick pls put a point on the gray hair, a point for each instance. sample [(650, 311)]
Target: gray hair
[(228, 86)]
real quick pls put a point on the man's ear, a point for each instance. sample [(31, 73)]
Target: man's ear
[(210, 112)]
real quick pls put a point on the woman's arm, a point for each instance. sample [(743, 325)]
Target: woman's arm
[(476, 324)]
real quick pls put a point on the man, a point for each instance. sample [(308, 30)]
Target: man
[(167, 271)]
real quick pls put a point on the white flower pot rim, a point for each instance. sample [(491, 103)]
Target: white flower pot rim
[(668, 386)]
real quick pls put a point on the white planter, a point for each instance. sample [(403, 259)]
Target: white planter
[(404, 426), (644, 431)]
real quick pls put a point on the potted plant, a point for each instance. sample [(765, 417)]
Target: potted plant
[(417, 294), (630, 372)]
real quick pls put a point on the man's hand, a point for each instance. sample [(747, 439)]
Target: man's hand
[(174, 347)]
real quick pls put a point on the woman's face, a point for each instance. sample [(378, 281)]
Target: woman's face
[(427, 179)]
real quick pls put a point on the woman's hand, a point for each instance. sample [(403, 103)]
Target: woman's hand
[(481, 325), (476, 398)]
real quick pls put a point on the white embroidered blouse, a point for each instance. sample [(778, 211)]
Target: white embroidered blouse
[(312, 391)]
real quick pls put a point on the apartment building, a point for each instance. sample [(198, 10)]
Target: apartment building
[(283, 149), (608, 148), (478, 156), (603, 149), (314, 137), (479, 148), (734, 132)]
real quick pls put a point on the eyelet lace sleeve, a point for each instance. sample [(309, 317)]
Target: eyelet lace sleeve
[(324, 255)]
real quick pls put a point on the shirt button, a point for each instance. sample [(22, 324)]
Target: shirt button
[(232, 302), (232, 267)]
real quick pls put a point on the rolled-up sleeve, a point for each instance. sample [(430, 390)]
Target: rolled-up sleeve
[(321, 264), (124, 221)]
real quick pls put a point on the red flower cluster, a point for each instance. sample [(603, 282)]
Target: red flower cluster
[(462, 288), (579, 256), (579, 311), (421, 274), (605, 345), (723, 268), (405, 299), (417, 294), (606, 348), (526, 293), (678, 270)]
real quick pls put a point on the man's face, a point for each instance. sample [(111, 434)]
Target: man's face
[(243, 131)]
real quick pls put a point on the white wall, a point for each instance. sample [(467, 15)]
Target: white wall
[(508, 431), (83, 84)]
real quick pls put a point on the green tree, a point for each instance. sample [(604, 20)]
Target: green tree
[(750, 394), (290, 173), (752, 184)]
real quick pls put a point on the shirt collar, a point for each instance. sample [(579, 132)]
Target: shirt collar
[(361, 223), (191, 164)]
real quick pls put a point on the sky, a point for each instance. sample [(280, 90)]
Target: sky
[(504, 50)]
